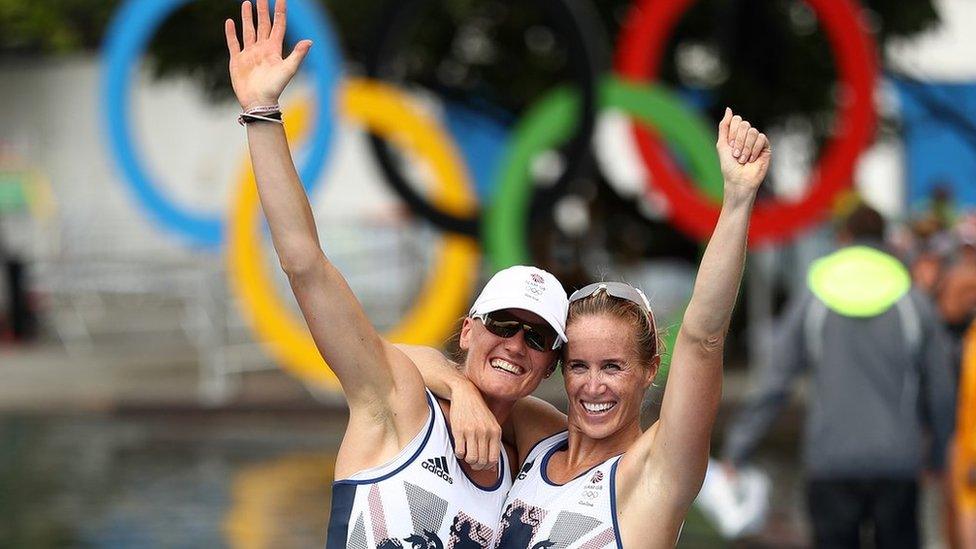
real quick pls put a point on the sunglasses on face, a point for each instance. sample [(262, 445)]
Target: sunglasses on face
[(537, 337), (620, 291)]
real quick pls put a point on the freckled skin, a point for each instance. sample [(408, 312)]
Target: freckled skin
[(483, 346), (601, 364)]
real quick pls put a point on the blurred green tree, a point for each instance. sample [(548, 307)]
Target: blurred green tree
[(51, 27), (765, 57)]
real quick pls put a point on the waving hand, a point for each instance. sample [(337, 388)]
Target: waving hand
[(258, 72), (385, 393)]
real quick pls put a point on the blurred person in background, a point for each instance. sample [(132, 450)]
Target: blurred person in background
[(18, 320), (8, 295), (20, 323), (882, 385), (956, 293), (941, 207), (956, 299), (932, 243), (943, 265), (964, 449), (395, 468), (927, 266)]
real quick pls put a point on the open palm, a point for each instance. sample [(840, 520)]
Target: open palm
[(258, 73), (743, 152)]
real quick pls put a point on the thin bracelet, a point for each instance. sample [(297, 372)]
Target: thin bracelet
[(268, 113), (244, 118)]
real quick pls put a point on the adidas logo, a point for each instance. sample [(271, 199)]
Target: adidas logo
[(438, 466), (525, 471)]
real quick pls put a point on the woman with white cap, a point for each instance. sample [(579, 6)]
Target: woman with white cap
[(595, 478), (398, 480)]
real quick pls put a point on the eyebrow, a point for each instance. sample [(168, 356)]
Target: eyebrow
[(601, 361)]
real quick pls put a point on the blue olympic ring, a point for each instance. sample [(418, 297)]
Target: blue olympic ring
[(128, 35), (481, 141)]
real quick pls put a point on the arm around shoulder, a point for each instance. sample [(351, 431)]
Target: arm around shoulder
[(532, 419)]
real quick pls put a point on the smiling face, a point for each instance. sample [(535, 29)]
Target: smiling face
[(604, 374), (504, 369)]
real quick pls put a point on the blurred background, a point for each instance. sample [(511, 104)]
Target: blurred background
[(155, 388)]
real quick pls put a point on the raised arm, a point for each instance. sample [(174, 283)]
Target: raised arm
[(675, 450), (380, 383)]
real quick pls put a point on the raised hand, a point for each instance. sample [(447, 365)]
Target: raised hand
[(258, 72), (743, 152)]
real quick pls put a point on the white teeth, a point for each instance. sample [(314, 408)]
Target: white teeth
[(598, 406), (506, 365)]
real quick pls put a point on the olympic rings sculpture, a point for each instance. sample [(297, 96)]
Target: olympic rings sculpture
[(452, 278), (639, 58), (390, 115), (129, 33), (571, 26), (549, 121)]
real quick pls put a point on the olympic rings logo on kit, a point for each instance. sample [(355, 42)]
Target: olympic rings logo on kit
[(562, 115)]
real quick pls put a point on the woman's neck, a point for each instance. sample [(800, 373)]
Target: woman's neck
[(501, 409), (585, 452)]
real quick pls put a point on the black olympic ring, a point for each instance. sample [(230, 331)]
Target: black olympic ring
[(571, 25)]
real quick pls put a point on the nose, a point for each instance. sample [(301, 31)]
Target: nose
[(594, 382), (516, 343)]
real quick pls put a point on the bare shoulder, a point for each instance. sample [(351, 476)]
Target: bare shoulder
[(532, 420), (380, 428), (642, 489)]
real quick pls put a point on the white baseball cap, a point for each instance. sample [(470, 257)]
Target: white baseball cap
[(528, 288)]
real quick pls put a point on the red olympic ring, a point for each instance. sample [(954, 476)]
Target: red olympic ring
[(638, 58)]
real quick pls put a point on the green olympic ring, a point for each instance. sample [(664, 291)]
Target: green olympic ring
[(551, 120)]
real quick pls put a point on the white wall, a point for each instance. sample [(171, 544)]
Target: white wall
[(193, 147)]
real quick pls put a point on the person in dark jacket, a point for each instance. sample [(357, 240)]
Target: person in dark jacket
[(881, 387)]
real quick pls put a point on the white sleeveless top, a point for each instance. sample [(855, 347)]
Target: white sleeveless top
[(420, 498), (540, 514)]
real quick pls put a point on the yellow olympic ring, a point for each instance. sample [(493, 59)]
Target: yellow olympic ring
[(263, 493), (444, 296)]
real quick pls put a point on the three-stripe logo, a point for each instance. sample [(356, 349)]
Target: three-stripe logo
[(438, 466)]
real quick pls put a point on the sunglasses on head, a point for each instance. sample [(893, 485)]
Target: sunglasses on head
[(502, 324), (620, 291)]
